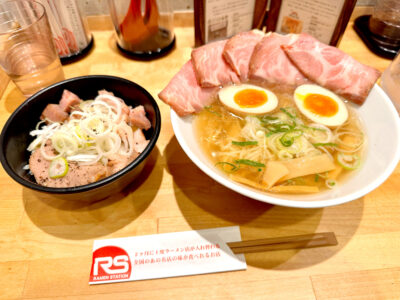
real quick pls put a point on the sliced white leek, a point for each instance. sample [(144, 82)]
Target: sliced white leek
[(94, 133)]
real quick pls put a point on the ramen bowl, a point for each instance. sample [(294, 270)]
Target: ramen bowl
[(15, 136), (382, 129)]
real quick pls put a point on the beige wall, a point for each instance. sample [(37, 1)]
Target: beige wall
[(100, 7)]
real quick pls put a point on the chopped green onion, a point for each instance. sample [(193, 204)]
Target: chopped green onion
[(325, 145), (268, 134), (249, 162), (246, 143), (313, 128), (287, 139), (330, 183), (208, 108), (58, 168), (348, 161), (267, 119), (224, 163), (280, 127), (316, 177), (287, 113), (289, 182)]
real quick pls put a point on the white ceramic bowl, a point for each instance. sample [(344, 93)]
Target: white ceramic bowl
[(382, 126)]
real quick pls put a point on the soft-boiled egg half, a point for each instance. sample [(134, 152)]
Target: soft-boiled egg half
[(320, 105), (247, 99)]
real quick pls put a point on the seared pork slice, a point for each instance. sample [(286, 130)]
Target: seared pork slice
[(269, 62), (77, 174), (210, 67), (137, 117), (105, 92), (117, 162), (54, 113), (332, 68), (238, 50), (184, 94), (139, 140), (106, 96), (69, 100)]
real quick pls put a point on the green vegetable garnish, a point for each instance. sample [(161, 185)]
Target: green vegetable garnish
[(249, 162), (348, 161), (325, 144), (224, 163), (246, 143), (209, 109), (287, 139), (279, 127), (286, 111), (268, 134), (313, 128), (267, 119), (316, 178), (330, 183), (58, 168)]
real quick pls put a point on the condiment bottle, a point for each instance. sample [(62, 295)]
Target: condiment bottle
[(144, 28)]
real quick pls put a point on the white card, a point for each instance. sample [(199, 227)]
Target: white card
[(165, 255)]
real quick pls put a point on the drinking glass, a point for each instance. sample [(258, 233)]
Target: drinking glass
[(390, 81), (27, 52)]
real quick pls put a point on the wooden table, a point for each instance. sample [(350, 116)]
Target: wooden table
[(46, 245)]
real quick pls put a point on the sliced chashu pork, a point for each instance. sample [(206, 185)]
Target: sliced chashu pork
[(54, 113), (69, 100), (184, 94), (269, 62), (77, 174), (332, 68), (59, 112), (210, 67), (238, 50), (81, 174), (137, 117)]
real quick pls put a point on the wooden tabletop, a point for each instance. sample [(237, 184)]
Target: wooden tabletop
[(46, 244)]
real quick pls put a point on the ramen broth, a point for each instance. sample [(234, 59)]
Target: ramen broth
[(243, 146)]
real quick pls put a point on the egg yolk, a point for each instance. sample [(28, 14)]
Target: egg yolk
[(321, 105), (250, 98)]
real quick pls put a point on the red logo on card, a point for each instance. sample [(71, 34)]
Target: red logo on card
[(110, 263)]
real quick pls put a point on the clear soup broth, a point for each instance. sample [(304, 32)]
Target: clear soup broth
[(281, 151)]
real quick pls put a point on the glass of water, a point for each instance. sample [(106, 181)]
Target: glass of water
[(390, 81), (27, 52)]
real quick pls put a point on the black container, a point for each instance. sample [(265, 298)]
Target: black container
[(380, 45), (15, 137)]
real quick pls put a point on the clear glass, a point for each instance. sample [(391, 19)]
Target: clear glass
[(390, 81), (143, 27), (27, 52)]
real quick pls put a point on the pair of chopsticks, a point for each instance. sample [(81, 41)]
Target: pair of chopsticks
[(288, 242)]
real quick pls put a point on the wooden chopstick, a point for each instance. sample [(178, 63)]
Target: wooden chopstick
[(287, 242)]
